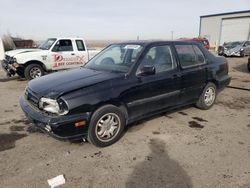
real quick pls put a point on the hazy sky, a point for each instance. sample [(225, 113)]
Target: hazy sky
[(109, 19)]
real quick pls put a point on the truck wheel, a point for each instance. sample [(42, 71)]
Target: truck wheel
[(33, 71), (106, 126), (207, 97)]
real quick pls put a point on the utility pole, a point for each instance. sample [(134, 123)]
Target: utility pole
[(172, 35)]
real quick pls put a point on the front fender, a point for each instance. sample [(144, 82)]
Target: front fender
[(88, 99), (23, 58), (23, 61)]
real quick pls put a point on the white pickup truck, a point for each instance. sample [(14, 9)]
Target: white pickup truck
[(53, 55)]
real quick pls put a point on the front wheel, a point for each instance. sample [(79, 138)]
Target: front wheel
[(207, 97), (33, 71), (106, 126), (242, 53)]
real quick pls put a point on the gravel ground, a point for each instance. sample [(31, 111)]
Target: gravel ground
[(185, 148)]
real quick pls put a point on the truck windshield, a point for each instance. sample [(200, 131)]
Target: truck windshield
[(47, 44), (116, 58)]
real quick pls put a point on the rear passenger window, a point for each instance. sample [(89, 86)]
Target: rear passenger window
[(199, 55), (189, 55), (80, 45)]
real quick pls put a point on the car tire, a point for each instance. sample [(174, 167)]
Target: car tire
[(208, 97), (106, 126), (248, 65), (242, 54), (33, 71)]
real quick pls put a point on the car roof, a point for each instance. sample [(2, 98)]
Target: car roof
[(157, 42), (192, 39), (240, 41)]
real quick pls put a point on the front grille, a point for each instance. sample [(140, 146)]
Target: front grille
[(32, 98)]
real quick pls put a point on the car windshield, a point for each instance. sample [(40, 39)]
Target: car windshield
[(232, 44), (47, 44), (116, 58)]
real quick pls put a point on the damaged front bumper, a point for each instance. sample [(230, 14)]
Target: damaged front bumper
[(12, 68), (59, 127), (8, 68), (238, 54)]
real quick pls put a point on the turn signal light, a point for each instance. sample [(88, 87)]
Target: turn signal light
[(80, 123)]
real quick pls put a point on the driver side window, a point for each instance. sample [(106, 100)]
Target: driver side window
[(63, 46), (160, 57)]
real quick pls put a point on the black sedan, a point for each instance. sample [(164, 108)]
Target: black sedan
[(248, 64), (122, 84)]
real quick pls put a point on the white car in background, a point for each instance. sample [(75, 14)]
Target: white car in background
[(53, 55), (236, 48)]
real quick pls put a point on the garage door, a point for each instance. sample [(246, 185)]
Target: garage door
[(235, 29)]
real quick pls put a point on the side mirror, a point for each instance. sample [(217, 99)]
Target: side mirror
[(146, 70)]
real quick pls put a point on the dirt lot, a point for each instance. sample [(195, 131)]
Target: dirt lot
[(185, 148)]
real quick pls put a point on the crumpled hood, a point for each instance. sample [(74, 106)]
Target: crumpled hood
[(57, 84), (12, 53)]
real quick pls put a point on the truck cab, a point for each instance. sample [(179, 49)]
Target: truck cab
[(53, 55)]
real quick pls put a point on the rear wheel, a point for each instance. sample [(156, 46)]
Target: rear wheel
[(106, 126), (33, 71), (207, 97), (248, 65)]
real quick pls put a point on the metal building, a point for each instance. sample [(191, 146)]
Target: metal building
[(225, 27)]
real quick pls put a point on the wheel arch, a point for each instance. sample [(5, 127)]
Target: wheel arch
[(35, 62), (214, 81), (115, 103)]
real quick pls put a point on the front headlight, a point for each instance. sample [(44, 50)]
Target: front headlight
[(56, 107)]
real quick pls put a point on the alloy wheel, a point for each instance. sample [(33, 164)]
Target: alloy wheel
[(35, 72), (209, 96), (108, 127)]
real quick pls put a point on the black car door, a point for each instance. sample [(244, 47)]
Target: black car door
[(155, 91), (193, 71)]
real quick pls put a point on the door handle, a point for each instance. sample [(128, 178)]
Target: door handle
[(72, 53)]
